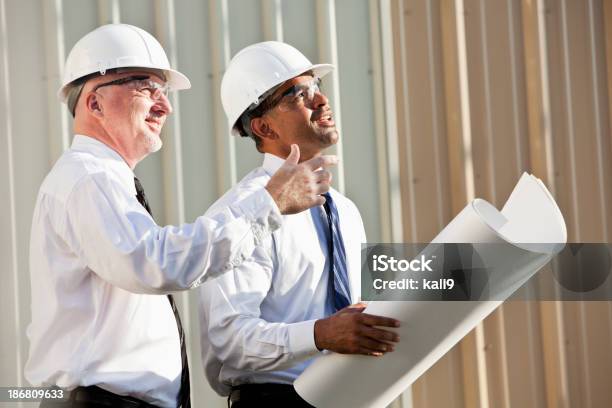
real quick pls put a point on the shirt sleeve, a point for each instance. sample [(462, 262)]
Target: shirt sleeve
[(231, 323), (119, 241)]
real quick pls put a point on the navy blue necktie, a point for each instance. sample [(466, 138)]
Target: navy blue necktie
[(338, 271), (184, 393)]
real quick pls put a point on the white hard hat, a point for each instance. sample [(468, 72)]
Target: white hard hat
[(118, 46), (258, 68)]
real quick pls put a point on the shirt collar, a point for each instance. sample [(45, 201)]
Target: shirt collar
[(82, 143), (272, 163)]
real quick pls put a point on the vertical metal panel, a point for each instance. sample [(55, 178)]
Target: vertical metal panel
[(391, 164), (11, 353), (427, 149), (218, 19), (245, 31), (404, 128), (327, 44), (380, 128), (355, 84), (28, 147), (108, 12), (54, 57), (272, 20), (523, 352), (198, 132)]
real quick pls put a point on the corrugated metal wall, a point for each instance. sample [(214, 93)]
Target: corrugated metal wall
[(438, 101), (489, 89)]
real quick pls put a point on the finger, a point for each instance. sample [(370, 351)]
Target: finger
[(375, 346), (321, 188), (380, 334), (294, 155), (356, 308), (318, 200), (372, 320), (323, 176), (368, 352), (321, 161)]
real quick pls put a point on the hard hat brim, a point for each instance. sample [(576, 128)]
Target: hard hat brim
[(320, 70), (176, 80)]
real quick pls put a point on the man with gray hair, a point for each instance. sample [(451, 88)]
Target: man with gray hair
[(104, 323)]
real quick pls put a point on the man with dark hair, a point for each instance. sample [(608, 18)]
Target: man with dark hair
[(263, 322)]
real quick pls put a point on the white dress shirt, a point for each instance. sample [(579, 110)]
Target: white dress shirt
[(257, 321), (100, 265)]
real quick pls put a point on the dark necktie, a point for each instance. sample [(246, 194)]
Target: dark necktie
[(184, 394), (339, 274)]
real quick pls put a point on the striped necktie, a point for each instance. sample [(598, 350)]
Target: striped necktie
[(184, 393), (338, 271)]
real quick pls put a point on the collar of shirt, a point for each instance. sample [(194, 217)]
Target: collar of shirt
[(87, 144), (272, 163)]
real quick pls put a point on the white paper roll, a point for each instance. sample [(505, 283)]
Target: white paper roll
[(532, 229)]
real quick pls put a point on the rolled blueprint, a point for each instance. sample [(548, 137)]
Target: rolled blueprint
[(530, 230)]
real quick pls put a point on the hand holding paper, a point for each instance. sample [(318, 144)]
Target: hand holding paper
[(349, 331)]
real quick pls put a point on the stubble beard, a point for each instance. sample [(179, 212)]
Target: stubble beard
[(153, 142)]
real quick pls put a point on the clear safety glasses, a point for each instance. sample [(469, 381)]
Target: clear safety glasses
[(140, 83), (298, 95)]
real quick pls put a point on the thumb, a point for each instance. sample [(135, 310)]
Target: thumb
[(294, 156)]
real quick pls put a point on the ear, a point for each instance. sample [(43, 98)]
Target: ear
[(92, 103), (261, 127)]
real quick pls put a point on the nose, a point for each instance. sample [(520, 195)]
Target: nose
[(163, 105), (319, 100)]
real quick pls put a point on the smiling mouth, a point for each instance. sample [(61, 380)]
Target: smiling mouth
[(153, 122), (325, 120)]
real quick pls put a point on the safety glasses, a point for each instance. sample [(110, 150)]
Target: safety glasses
[(298, 95), (140, 83)]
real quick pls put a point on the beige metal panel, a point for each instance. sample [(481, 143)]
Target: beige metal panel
[(381, 126), (403, 124), (582, 162), (427, 149), (452, 90), (392, 162), (423, 58), (442, 385), (541, 163), (499, 151), (607, 16), (472, 396), (523, 350)]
